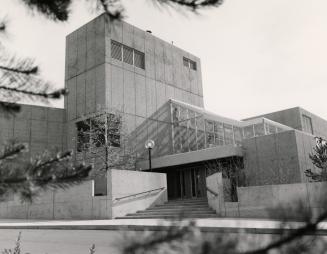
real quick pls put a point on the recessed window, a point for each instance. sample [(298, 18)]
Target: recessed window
[(127, 54), (307, 124), (116, 50), (139, 59), (189, 63)]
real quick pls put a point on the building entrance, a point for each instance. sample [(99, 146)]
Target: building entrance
[(186, 183)]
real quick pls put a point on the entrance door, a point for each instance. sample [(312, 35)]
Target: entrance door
[(186, 183)]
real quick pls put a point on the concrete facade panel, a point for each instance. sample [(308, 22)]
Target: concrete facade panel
[(71, 99), (139, 39), (151, 97), (80, 95), (140, 90), (90, 45), (129, 92), (108, 86), (81, 50), (100, 40), (128, 34), (90, 90), (100, 87), (117, 85), (161, 94), (168, 61)]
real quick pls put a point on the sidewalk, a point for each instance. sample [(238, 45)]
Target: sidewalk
[(230, 225)]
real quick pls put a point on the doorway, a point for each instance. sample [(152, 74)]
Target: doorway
[(186, 183)]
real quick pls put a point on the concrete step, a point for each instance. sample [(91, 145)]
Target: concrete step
[(188, 202), (160, 216), (188, 207), (175, 212), (179, 208)]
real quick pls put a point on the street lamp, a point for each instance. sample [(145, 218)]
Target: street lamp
[(149, 144)]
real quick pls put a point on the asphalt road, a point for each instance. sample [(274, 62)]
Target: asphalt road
[(62, 241)]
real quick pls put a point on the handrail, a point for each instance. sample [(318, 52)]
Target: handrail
[(140, 193), (212, 192)]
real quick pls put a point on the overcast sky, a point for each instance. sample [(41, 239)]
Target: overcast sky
[(258, 56)]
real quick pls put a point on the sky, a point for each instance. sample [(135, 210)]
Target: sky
[(257, 56)]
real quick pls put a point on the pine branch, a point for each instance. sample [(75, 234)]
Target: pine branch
[(57, 10), (193, 5), (49, 95), (9, 108), (40, 174), (11, 151)]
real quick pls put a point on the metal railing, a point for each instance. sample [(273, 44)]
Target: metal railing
[(140, 193), (212, 192)]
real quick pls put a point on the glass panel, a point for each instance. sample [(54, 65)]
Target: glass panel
[(219, 140), (116, 51), (183, 116), (191, 115), (201, 137), (184, 139), (175, 115), (248, 131), (210, 140), (128, 55), (259, 129), (238, 135), (139, 59), (200, 123), (192, 65), (192, 139), (229, 135), (209, 126)]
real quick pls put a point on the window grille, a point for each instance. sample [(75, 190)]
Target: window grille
[(139, 59), (116, 50), (128, 55)]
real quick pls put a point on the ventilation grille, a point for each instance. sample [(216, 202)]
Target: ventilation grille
[(128, 55), (116, 51)]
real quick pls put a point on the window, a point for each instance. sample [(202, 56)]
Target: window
[(229, 135), (116, 50), (92, 132), (139, 59), (189, 63), (248, 131), (127, 54), (307, 124)]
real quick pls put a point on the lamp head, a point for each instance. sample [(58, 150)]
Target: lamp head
[(149, 144)]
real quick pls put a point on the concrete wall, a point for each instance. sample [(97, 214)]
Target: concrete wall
[(40, 127), (256, 201), (125, 183), (214, 183), (78, 202), (277, 158), (319, 125), (96, 80)]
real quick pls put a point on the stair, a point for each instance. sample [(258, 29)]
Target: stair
[(175, 209)]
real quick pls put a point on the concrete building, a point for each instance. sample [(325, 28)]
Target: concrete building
[(155, 88)]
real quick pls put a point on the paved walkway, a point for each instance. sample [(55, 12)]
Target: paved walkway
[(206, 225)]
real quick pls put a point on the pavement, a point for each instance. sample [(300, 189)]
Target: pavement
[(230, 225)]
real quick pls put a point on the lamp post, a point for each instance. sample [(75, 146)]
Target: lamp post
[(149, 144)]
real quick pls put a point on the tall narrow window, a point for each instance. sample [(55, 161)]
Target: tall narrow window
[(307, 124), (116, 50), (139, 59), (128, 55)]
